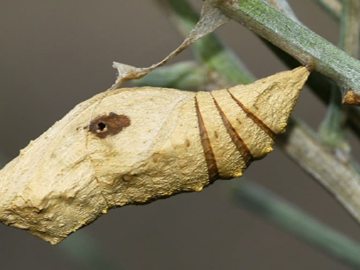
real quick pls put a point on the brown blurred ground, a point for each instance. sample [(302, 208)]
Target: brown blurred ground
[(54, 54)]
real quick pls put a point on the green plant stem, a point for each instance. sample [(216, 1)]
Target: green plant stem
[(288, 217), (297, 40), (333, 7)]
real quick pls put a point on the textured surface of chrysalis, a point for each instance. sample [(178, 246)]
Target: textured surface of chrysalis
[(133, 145)]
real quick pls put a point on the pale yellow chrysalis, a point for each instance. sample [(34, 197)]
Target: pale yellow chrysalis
[(133, 145)]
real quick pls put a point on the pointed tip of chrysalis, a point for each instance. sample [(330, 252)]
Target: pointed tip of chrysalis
[(273, 98), (300, 73), (291, 82)]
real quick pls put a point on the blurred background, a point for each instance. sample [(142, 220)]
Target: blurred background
[(54, 54)]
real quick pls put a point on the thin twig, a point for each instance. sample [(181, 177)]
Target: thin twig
[(333, 7), (295, 221), (348, 193), (297, 40)]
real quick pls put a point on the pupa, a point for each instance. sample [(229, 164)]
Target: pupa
[(134, 145)]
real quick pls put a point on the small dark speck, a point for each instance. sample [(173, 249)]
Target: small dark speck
[(110, 124)]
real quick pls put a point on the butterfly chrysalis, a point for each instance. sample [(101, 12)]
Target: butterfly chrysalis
[(133, 145)]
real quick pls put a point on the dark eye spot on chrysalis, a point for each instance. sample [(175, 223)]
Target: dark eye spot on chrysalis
[(111, 124)]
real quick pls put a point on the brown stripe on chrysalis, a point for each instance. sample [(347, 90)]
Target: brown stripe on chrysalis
[(239, 143), (208, 152), (253, 117)]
